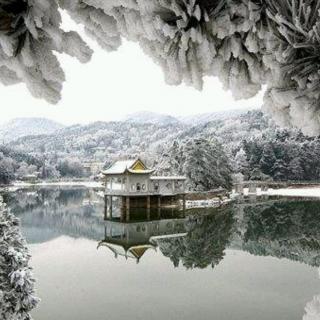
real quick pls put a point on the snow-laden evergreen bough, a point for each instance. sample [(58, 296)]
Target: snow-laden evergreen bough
[(30, 33), (246, 43), (17, 297)]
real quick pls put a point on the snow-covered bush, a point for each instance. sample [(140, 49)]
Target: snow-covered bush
[(17, 297), (246, 43)]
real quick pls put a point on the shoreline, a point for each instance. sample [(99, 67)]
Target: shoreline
[(194, 201), (24, 185), (311, 191)]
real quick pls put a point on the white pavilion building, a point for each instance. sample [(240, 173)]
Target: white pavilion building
[(133, 180)]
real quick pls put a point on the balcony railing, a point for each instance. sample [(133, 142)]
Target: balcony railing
[(143, 192)]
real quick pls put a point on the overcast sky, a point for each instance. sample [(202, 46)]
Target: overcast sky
[(115, 84)]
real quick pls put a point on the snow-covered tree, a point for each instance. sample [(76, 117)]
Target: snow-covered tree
[(17, 297), (246, 43), (312, 309), (241, 163), (267, 159), (202, 161), (30, 33)]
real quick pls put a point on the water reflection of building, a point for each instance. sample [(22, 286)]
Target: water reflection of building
[(132, 240), (279, 228)]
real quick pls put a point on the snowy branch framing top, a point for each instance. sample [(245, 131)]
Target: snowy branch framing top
[(246, 43)]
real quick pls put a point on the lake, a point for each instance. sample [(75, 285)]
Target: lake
[(247, 261)]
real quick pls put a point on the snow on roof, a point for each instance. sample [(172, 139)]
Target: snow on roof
[(119, 167), (136, 251), (168, 178)]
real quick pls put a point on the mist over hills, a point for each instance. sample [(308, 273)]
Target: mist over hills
[(195, 119), (21, 127), (150, 117), (203, 118), (141, 134), (250, 140)]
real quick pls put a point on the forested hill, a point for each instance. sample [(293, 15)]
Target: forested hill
[(248, 143), (101, 141)]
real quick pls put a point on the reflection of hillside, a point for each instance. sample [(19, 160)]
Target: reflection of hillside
[(38, 198), (283, 229), (287, 229), (48, 213)]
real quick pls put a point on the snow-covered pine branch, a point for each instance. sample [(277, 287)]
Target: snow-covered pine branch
[(246, 43), (29, 35), (17, 297)]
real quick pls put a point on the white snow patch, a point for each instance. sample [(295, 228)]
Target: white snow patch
[(294, 192), (286, 192), (216, 202), (87, 184)]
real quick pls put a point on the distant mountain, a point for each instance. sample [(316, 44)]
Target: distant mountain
[(203, 118), (100, 140), (150, 117), (195, 119), (21, 127)]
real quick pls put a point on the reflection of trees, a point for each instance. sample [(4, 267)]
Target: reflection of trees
[(32, 199), (206, 240), (16, 281), (287, 229), (49, 212)]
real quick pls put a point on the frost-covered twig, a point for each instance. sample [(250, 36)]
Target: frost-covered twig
[(17, 297)]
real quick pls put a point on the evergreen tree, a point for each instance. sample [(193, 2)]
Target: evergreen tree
[(206, 165), (241, 163), (279, 170), (295, 171), (267, 159)]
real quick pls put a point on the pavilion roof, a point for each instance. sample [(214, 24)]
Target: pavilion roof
[(132, 166), (135, 252)]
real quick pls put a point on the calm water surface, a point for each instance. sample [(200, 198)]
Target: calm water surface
[(246, 262)]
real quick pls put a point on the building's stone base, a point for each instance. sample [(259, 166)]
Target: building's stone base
[(155, 202)]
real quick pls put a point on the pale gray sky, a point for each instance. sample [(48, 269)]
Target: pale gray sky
[(115, 84)]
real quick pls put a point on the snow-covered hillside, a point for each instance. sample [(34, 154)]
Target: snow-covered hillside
[(21, 127), (150, 117), (203, 118), (194, 119)]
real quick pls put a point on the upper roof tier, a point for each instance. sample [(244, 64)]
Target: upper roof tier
[(128, 166)]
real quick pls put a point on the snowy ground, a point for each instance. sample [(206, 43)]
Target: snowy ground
[(285, 192), (216, 202), (290, 192), (88, 184)]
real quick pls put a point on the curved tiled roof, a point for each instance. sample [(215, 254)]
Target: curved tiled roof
[(121, 167)]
